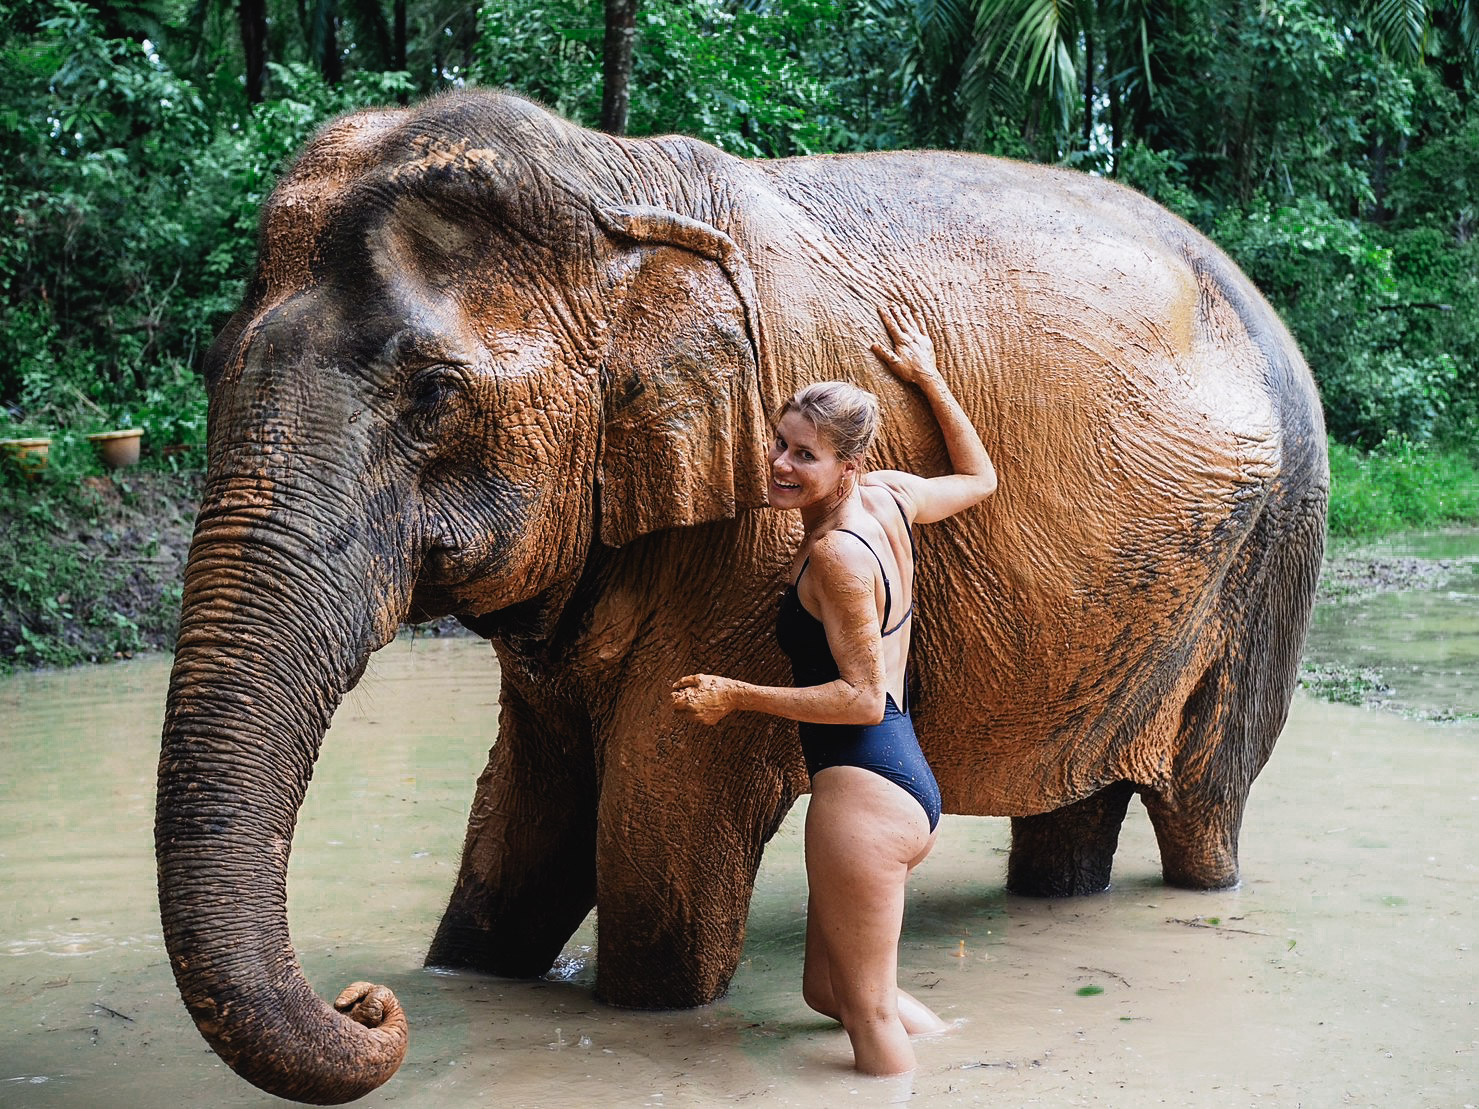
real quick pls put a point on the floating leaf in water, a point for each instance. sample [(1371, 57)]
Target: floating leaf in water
[(1291, 945), (1392, 901), (1089, 991)]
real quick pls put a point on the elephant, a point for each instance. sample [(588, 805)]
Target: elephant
[(495, 366)]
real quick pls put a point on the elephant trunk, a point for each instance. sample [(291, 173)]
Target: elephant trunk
[(270, 640)]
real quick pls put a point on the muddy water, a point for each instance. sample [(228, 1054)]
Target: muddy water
[(1423, 639), (1343, 972)]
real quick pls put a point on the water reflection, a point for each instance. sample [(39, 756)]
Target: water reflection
[(1341, 971)]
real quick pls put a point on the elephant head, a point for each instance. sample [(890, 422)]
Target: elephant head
[(478, 344)]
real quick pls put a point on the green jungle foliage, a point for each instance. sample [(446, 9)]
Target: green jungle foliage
[(1399, 486), (1332, 148)]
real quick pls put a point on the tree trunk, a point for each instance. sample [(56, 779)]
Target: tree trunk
[(253, 17), (616, 65), (398, 37), (1088, 91), (332, 64)]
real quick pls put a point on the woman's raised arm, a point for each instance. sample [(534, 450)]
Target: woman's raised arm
[(974, 478)]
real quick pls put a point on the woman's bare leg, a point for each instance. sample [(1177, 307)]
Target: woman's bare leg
[(863, 836), (816, 989), (919, 1019)]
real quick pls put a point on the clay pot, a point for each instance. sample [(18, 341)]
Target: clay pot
[(118, 449), (29, 454)]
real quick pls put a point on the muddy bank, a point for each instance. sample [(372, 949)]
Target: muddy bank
[(1396, 625), (93, 571), (1358, 573)]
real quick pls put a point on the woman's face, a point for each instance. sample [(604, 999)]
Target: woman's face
[(804, 467)]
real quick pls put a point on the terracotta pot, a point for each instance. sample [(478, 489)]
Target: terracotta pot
[(118, 448), (29, 454)]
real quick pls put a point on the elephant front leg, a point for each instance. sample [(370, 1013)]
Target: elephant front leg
[(528, 863), (680, 840), (1069, 851)]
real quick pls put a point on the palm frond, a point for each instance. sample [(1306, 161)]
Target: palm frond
[(1399, 27), (1033, 40), (1468, 26)]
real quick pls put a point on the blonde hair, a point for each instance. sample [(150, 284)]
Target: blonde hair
[(846, 415)]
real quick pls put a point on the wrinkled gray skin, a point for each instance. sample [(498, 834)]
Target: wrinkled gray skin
[(496, 366)]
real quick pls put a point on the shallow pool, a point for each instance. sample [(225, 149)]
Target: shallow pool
[(1342, 972)]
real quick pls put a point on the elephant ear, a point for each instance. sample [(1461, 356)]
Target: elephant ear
[(684, 420)]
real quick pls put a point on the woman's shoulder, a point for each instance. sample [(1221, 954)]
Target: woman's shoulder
[(880, 487), (845, 551), (888, 501)]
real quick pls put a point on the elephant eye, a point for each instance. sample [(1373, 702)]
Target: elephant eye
[(432, 388)]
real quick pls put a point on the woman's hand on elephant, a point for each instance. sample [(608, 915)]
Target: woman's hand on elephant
[(703, 697), (913, 355)]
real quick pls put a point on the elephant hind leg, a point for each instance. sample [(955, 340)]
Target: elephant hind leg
[(1198, 816), (1236, 711), (1068, 851)]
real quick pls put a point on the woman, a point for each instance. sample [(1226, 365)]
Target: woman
[(846, 622)]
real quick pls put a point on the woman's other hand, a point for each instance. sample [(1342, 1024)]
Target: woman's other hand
[(913, 355), (702, 697)]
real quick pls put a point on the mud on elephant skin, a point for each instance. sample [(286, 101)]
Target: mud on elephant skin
[(494, 365)]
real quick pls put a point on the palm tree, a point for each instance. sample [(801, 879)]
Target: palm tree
[(1038, 61), (1419, 30), (1064, 55)]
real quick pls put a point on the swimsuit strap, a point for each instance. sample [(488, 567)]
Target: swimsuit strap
[(908, 527), (888, 597), (888, 593), (913, 558), (902, 620), (910, 530)]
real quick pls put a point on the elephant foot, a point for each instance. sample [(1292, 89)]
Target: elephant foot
[(673, 942), (645, 978), (1211, 866), (508, 937), (1069, 851), (649, 956)]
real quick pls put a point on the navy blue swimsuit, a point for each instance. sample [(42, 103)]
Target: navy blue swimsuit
[(890, 748)]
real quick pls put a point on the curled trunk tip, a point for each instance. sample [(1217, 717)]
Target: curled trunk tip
[(364, 1044)]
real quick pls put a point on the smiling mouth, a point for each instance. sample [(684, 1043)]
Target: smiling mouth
[(784, 485)]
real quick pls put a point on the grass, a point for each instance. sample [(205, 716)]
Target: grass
[(1401, 487)]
